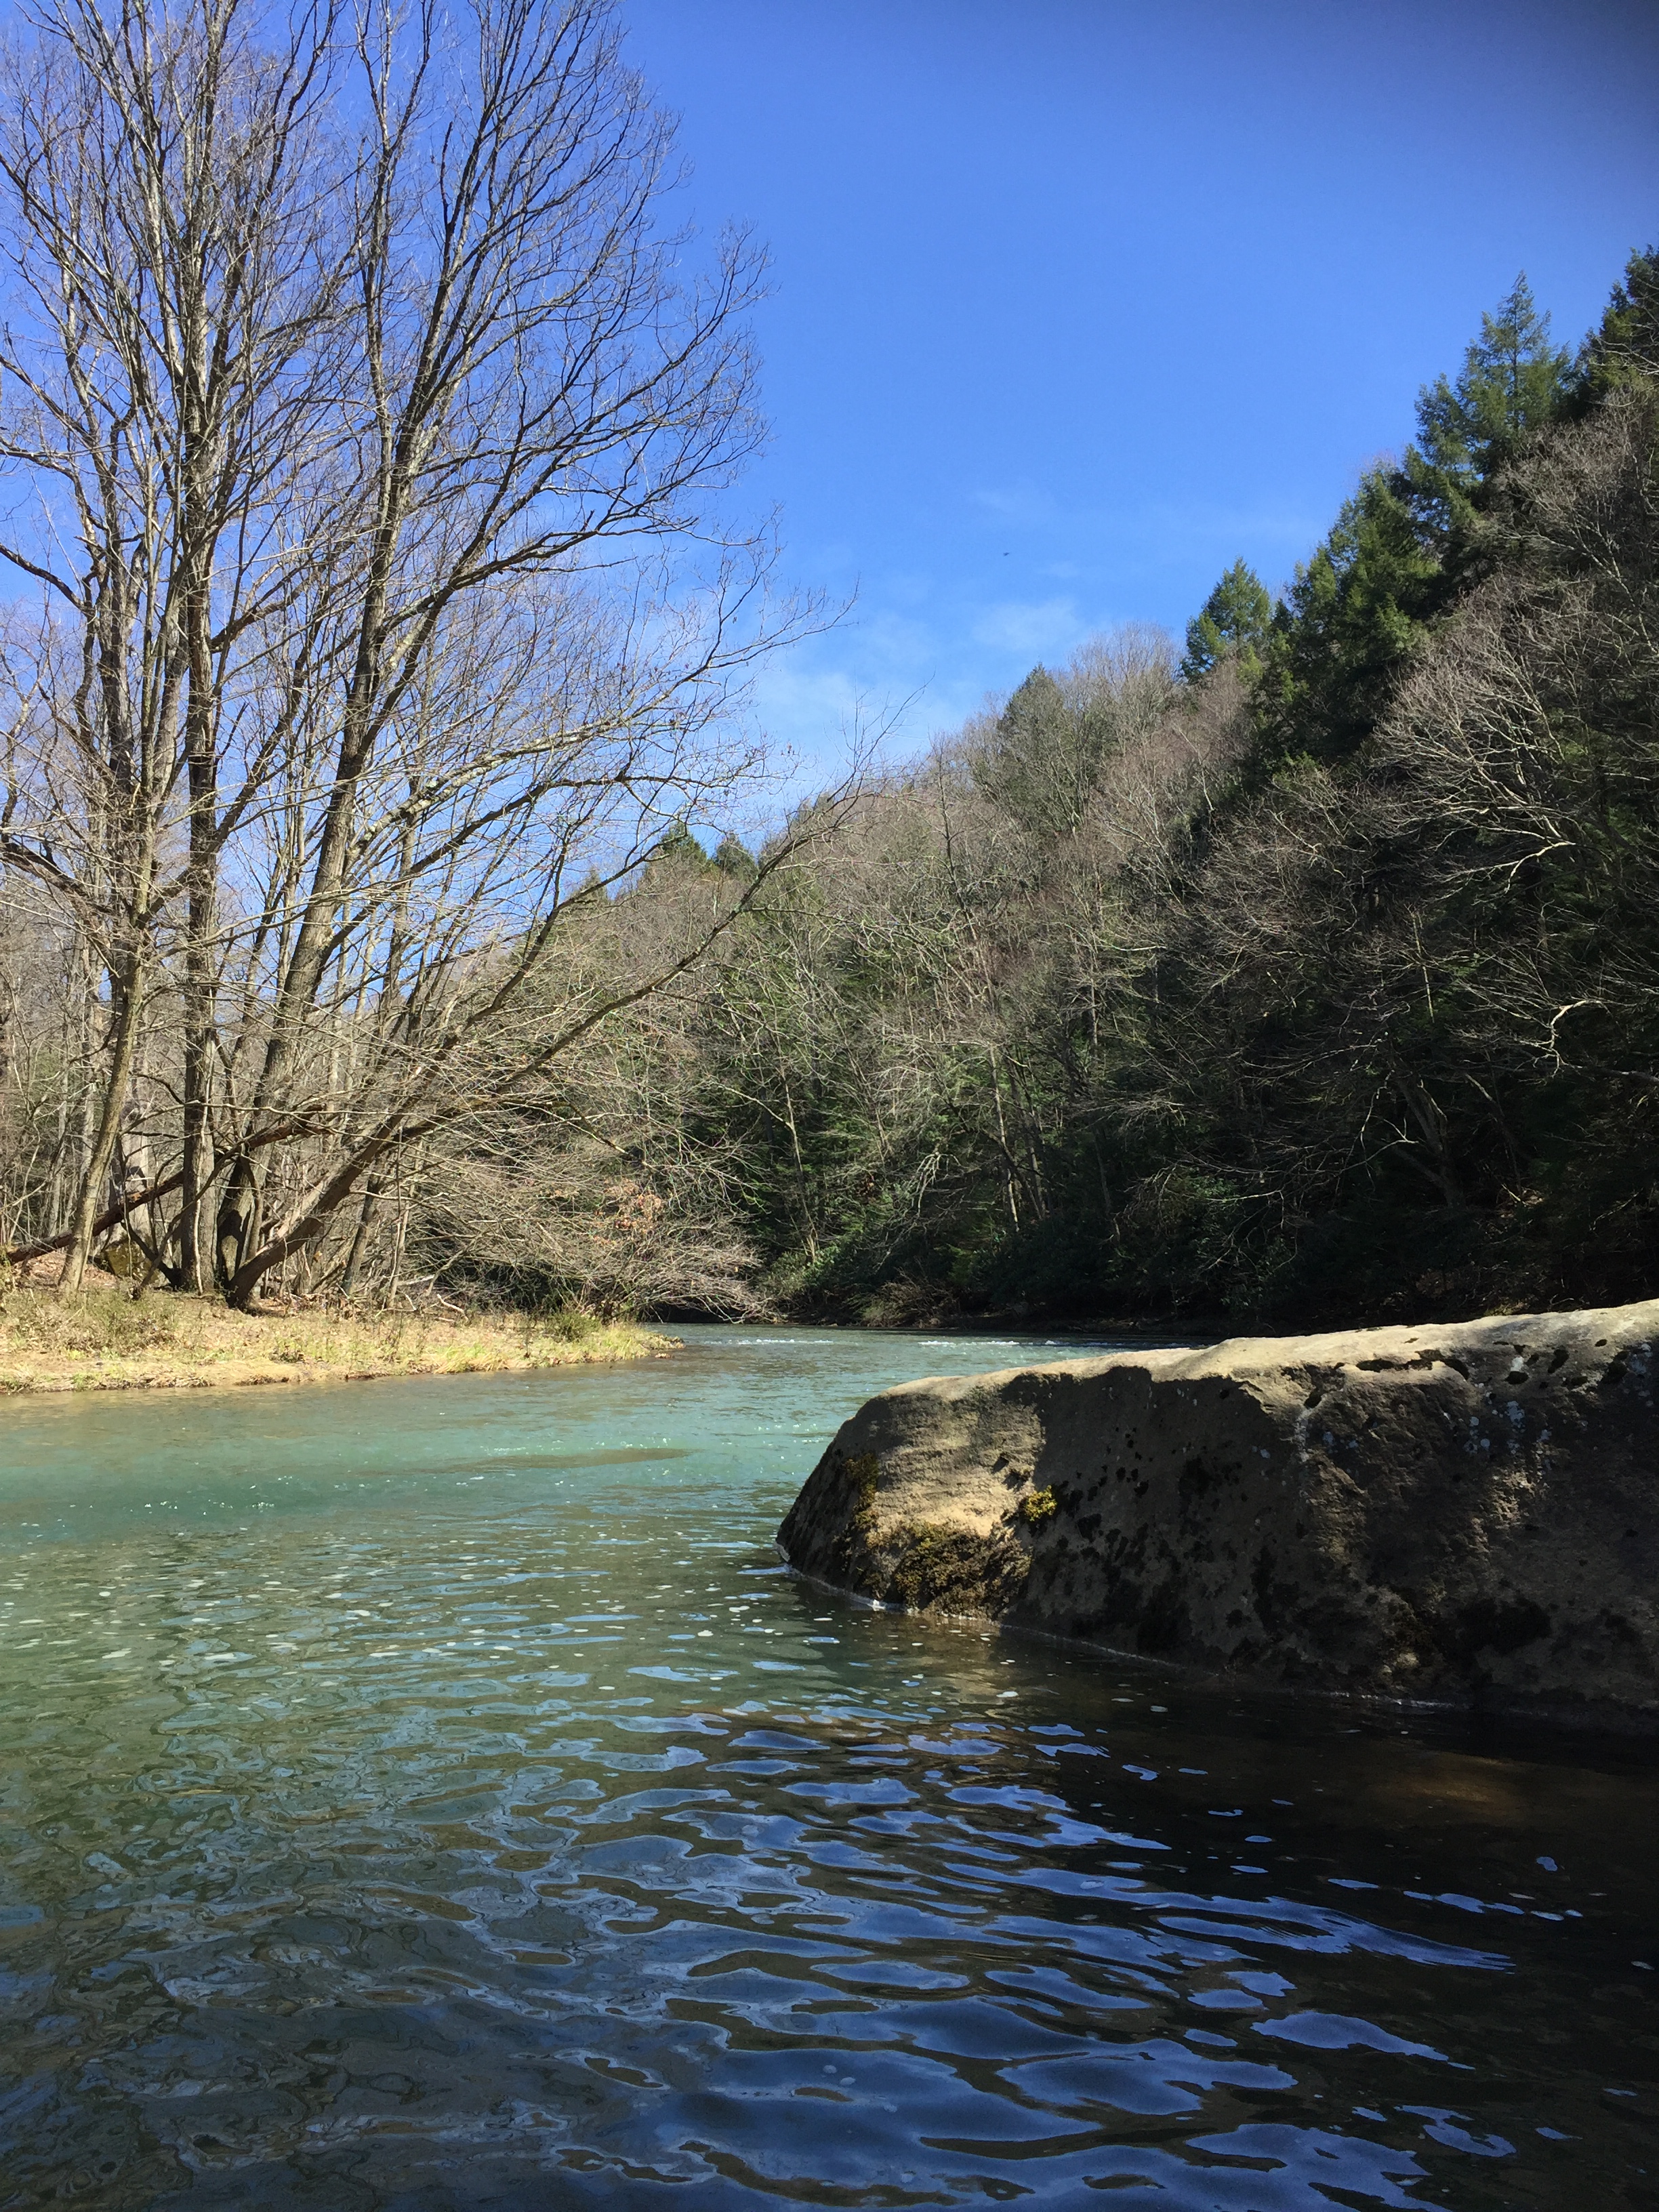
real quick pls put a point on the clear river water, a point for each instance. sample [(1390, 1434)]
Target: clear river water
[(436, 1794)]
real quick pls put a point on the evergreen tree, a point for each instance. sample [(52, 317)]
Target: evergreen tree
[(1025, 767), (1234, 619), (1513, 381), (677, 844), (1511, 384), (1353, 614), (1406, 543), (1625, 348), (734, 858), (1035, 717)]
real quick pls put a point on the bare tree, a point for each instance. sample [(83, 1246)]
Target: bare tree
[(176, 259), (378, 446)]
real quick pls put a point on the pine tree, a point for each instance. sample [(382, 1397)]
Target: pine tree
[(1625, 348), (734, 858), (1409, 539), (1513, 381), (678, 845), (1234, 619), (1352, 616), (1027, 766)]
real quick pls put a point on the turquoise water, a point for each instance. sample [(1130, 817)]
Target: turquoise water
[(436, 1794)]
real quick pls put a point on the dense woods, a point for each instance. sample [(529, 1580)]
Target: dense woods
[(370, 671), (1310, 972)]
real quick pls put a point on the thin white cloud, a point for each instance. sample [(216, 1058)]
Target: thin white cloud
[(895, 643), (1029, 625), (1025, 506), (1145, 536), (817, 709)]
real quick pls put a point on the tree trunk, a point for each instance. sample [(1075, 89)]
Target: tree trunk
[(123, 1049), (237, 1225), (372, 1191), (198, 992), (197, 1141)]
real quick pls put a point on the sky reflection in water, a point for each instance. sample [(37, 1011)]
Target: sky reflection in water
[(436, 1794)]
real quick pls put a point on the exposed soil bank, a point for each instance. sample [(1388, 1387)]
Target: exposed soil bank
[(1466, 1513)]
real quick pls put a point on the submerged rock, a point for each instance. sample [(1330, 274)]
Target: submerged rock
[(1467, 1514)]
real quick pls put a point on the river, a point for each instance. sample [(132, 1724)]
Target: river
[(436, 1794)]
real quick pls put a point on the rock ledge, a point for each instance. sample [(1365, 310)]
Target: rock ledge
[(1464, 1514)]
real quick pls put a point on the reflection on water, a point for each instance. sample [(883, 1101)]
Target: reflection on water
[(434, 1794)]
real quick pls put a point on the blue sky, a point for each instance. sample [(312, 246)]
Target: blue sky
[(1075, 301)]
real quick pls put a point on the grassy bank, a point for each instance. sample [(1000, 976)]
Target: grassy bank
[(104, 1338)]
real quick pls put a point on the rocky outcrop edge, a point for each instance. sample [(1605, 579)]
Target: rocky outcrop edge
[(1464, 1514)]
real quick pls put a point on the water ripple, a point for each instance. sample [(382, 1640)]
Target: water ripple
[(351, 1865)]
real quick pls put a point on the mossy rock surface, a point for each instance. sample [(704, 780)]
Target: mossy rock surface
[(1464, 1514)]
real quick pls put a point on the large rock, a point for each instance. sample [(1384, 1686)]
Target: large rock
[(1464, 1513)]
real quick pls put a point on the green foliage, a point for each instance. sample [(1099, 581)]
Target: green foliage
[(1513, 382), (1234, 620), (678, 847), (1408, 541), (1044, 761), (1322, 987), (1623, 349), (1042, 757), (1348, 623), (733, 858)]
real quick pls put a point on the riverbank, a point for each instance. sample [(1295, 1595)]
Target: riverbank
[(103, 1339)]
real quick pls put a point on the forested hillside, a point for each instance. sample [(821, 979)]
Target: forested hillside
[(1309, 971), (1312, 972)]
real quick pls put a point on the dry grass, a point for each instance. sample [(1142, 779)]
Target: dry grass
[(104, 1338)]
